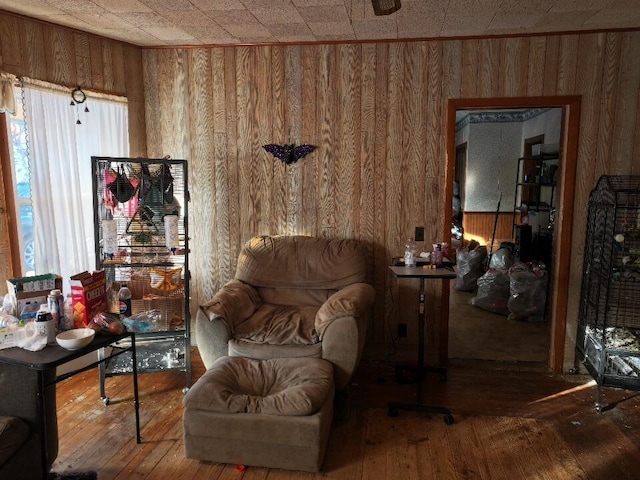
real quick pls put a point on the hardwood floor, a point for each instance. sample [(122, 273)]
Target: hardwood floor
[(479, 334), (509, 425)]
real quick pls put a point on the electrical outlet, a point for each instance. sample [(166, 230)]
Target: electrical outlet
[(402, 330), (419, 235)]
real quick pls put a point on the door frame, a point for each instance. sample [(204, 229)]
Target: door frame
[(561, 255)]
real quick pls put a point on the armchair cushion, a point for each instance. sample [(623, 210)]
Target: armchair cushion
[(300, 262), (279, 325), (235, 302), (280, 386), (353, 300)]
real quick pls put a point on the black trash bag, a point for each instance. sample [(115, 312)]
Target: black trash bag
[(528, 294), (493, 292), (469, 268), (121, 187)]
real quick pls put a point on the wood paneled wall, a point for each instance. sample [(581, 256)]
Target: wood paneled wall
[(376, 112), (67, 57)]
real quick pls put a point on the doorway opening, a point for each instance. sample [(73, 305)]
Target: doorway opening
[(567, 146)]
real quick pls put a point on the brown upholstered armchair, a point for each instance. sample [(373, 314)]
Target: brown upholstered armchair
[(292, 296)]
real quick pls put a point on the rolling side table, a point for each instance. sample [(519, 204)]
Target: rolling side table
[(445, 273), (44, 363)]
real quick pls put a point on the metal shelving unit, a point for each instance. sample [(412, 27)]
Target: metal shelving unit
[(136, 246)]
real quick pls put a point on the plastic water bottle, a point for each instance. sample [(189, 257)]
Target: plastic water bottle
[(410, 253)]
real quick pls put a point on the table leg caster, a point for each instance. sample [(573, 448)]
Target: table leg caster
[(106, 400), (448, 419)]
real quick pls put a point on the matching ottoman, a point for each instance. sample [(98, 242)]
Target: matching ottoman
[(274, 413)]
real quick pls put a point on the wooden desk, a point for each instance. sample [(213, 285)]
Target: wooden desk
[(45, 362), (423, 274)]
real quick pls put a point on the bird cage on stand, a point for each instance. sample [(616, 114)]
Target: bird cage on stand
[(609, 324)]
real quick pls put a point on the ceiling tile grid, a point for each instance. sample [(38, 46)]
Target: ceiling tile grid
[(157, 23)]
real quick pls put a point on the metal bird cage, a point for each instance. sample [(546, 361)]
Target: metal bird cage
[(609, 325)]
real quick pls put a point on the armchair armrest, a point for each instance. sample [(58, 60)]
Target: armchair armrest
[(216, 320), (234, 303), (351, 301)]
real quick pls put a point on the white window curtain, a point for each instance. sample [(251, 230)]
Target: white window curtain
[(60, 153), (7, 101)]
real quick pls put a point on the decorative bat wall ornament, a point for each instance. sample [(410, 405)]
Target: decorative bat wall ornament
[(289, 153)]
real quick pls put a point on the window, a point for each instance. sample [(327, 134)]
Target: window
[(51, 144), (21, 178)]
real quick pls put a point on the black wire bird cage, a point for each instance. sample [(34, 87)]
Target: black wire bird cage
[(609, 325)]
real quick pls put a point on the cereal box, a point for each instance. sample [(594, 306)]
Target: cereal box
[(88, 296)]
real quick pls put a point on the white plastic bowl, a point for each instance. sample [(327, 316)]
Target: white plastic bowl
[(75, 339)]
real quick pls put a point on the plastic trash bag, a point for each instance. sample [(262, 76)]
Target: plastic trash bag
[(469, 268), (528, 293), (493, 292), (501, 259)]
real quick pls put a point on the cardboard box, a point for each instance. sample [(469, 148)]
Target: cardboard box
[(88, 296), (34, 284), (30, 292)]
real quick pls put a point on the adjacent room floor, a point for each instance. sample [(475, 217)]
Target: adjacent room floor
[(479, 334)]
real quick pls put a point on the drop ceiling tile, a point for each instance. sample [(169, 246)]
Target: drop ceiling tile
[(576, 5), (313, 3), (193, 18), (293, 29), (613, 17), (255, 30), (122, 6), (324, 13), (168, 5), (331, 28), (417, 26), (213, 5), (69, 21), (253, 4), (526, 7), (102, 20), (471, 7), (210, 34), (144, 20), (34, 8), (235, 17), (77, 6), (458, 25), (273, 16), (511, 21), (169, 34), (375, 29), (562, 21)]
